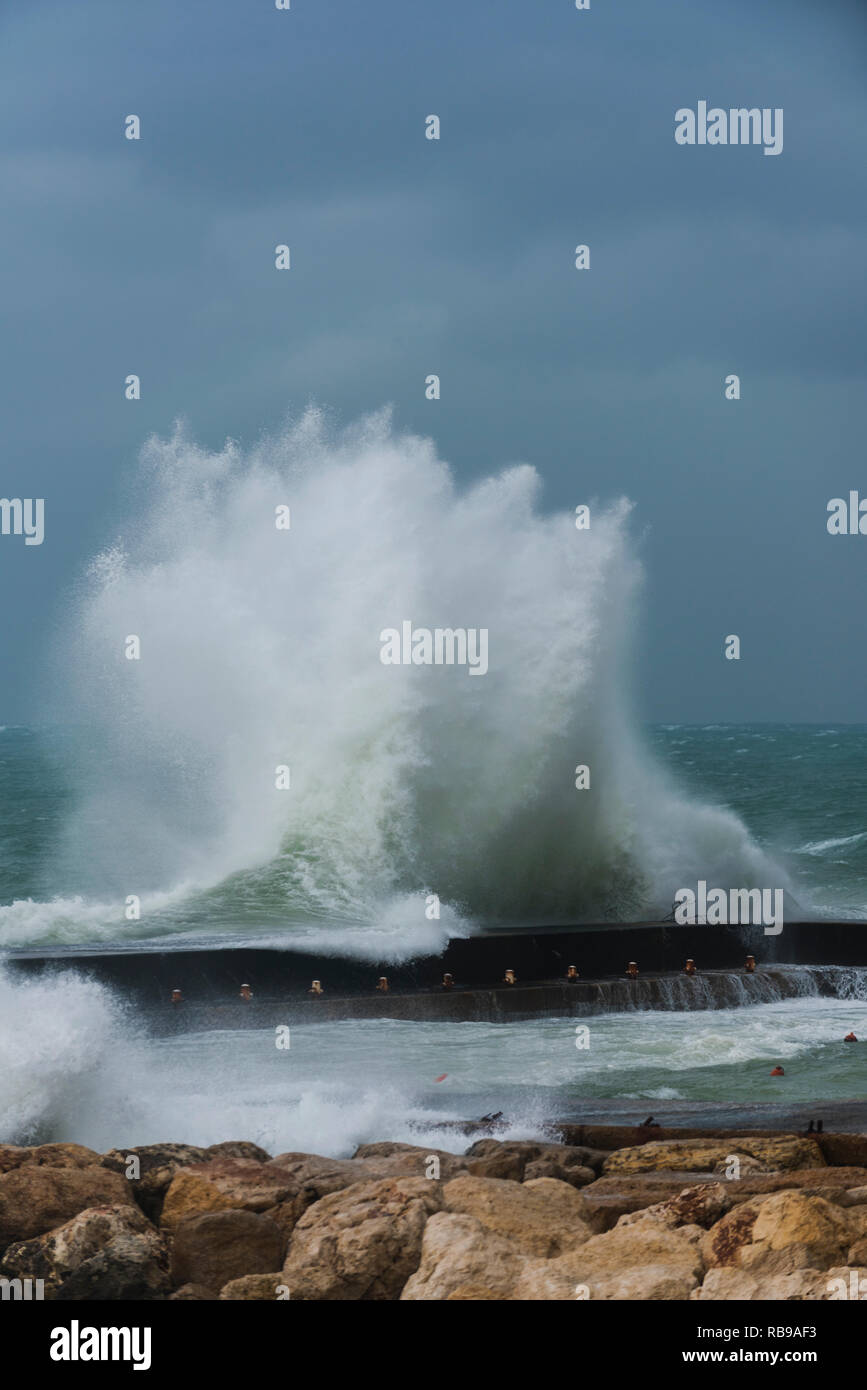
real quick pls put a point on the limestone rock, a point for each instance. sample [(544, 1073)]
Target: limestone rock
[(779, 1234), (801, 1285), (410, 1160), (639, 1262), (462, 1260), (192, 1293), (727, 1283), (818, 1181), (34, 1198), (543, 1217), (783, 1152), (46, 1156), (526, 1151), (694, 1206), (157, 1165), (858, 1252), (218, 1246), (237, 1148), (362, 1243), (578, 1176), (106, 1253), (848, 1281), (316, 1177), (844, 1149), (258, 1288), (854, 1196), (611, 1197), (322, 1176), (223, 1184)]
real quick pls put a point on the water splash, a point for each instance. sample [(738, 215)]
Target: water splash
[(260, 648)]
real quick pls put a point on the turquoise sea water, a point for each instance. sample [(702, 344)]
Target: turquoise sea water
[(79, 1064), (800, 792)]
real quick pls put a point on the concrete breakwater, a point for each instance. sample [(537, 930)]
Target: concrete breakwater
[(717, 989), (792, 966)]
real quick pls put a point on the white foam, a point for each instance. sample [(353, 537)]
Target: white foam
[(261, 647)]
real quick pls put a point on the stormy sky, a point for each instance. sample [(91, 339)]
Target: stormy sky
[(456, 256)]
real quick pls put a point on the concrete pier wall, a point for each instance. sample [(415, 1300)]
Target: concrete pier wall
[(806, 958)]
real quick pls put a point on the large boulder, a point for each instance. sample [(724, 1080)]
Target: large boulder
[(108, 1253), (411, 1160), (645, 1260), (844, 1149), (316, 1177), (726, 1283), (611, 1197), (223, 1184), (779, 1234), (543, 1217), (524, 1152), (218, 1246), (794, 1219), (238, 1148), (361, 1243), (782, 1152), (463, 1260), (46, 1155), (824, 1182), (608, 1199), (35, 1198), (156, 1165), (694, 1206), (579, 1176)]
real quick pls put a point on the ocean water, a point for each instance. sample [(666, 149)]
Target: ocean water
[(260, 650), (79, 1065), (141, 806), (817, 842)]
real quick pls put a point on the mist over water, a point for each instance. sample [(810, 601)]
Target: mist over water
[(261, 648)]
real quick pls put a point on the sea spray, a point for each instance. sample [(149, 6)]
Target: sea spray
[(54, 1033), (258, 647)]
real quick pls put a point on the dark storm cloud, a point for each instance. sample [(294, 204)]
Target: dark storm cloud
[(412, 256)]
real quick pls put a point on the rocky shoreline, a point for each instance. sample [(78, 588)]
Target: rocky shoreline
[(598, 1212)]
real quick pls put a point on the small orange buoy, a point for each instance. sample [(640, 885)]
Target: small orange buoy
[(778, 1071), (441, 1078)]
